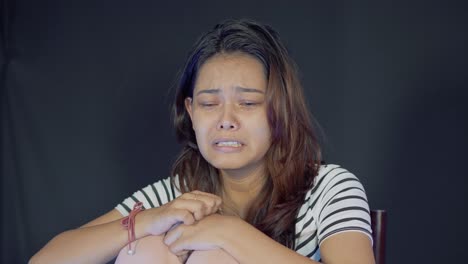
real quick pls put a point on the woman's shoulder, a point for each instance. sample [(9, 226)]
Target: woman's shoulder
[(332, 178), (333, 184), (336, 202)]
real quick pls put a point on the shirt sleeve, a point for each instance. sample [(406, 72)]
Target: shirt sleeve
[(153, 195), (343, 207)]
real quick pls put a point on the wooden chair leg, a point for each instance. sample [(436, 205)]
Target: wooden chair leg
[(379, 228)]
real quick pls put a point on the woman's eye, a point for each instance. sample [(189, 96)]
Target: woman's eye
[(248, 104), (208, 105)]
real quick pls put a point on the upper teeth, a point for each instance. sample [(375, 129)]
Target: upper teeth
[(229, 144)]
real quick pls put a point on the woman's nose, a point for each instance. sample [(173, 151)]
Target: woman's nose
[(227, 125), (228, 121)]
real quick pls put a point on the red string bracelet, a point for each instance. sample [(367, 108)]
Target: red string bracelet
[(129, 224)]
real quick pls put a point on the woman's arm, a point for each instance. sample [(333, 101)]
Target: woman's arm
[(347, 247), (247, 245), (100, 240), (149, 250), (96, 242), (252, 246)]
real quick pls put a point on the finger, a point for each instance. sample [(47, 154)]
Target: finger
[(180, 245), (205, 193), (195, 194), (212, 202), (197, 208), (182, 215), (209, 204), (174, 226), (172, 235), (218, 200)]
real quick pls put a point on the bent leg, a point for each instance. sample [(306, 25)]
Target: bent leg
[(150, 249)]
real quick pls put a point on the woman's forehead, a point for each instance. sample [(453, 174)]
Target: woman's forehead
[(231, 73)]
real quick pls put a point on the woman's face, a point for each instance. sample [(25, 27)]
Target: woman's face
[(228, 112)]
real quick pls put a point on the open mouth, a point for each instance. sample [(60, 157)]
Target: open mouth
[(232, 144)]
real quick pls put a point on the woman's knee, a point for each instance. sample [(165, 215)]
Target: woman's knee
[(217, 256)]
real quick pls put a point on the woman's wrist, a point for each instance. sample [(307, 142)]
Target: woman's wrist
[(231, 229), (142, 223)]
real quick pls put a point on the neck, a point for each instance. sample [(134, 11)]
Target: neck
[(240, 189)]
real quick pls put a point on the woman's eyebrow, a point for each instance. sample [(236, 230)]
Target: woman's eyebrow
[(238, 89), (208, 91), (248, 90)]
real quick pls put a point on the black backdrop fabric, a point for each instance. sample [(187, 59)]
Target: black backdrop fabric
[(86, 107)]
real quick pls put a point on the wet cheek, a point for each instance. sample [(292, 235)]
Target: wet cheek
[(201, 133), (262, 133)]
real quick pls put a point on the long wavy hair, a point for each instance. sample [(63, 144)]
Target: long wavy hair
[(292, 161)]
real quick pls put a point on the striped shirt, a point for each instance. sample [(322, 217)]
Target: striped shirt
[(337, 203)]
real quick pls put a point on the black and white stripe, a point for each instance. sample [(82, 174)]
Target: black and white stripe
[(153, 195), (337, 203)]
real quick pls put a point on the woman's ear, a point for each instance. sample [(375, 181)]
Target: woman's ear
[(188, 106)]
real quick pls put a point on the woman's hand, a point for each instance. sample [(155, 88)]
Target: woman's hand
[(186, 209), (207, 234)]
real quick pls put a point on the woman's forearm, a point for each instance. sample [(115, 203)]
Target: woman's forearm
[(248, 245), (94, 244), (101, 240)]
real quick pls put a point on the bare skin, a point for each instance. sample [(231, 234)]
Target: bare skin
[(219, 109), (228, 114), (100, 240)]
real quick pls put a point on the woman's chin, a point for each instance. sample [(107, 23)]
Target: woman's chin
[(223, 162), (233, 168), (227, 167)]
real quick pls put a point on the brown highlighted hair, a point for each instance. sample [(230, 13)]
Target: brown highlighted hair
[(293, 160)]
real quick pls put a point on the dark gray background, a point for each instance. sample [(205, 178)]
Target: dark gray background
[(85, 107)]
